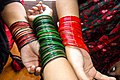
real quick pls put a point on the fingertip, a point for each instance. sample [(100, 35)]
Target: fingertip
[(31, 69), (38, 70), (34, 8), (40, 2), (100, 76)]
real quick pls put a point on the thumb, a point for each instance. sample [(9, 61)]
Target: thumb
[(100, 76)]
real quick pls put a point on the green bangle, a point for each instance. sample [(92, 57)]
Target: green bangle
[(50, 52), (44, 21), (46, 31), (48, 34), (50, 57), (49, 37), (51, 43), (42, 17), (45, 26), (47, 46), (49, 49)]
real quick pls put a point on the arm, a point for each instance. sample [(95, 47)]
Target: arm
[(77, 55), (70, 9), (55, 67), (12, 14)]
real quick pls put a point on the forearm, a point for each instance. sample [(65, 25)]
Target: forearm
[(14, 15), (59, 69), (67, 8), (13, 12), (53, 59), (69, 23)]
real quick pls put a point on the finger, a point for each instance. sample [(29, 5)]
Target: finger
[(48, 10), (100, 76), (112, 71), (29, 12), (34, 8), (37, 71), (40, 2), (31, 69), (42, 7), (39, 7)]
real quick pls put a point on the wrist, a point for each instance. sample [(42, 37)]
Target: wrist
[(22, 33)]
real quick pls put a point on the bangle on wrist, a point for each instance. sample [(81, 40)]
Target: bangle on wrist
[(49, 39), (71, 32), (22, 33)]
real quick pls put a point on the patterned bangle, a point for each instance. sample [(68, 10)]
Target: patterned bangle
[(22, 33), (20, 24), (22, 39)]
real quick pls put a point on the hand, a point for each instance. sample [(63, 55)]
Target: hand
[(30, 57), (39, 9), (30, 52), (82, 64), (115, 69)]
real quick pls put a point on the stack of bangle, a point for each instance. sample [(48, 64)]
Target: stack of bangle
[(50, 42), (22, 33), (70, 32)]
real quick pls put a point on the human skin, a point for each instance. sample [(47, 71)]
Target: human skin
[(59, 68), (115, 69), (12, 13), (78, 57)]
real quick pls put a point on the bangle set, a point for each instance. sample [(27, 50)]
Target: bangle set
[(50, 42), (22, 33), (71, 32)]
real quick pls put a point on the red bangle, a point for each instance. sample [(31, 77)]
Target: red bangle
[(71, 32), (72, 25), (24, 38), (22, 33), (29, 40), (18, 28), (19, 23), (79, 44), (69, 18)]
